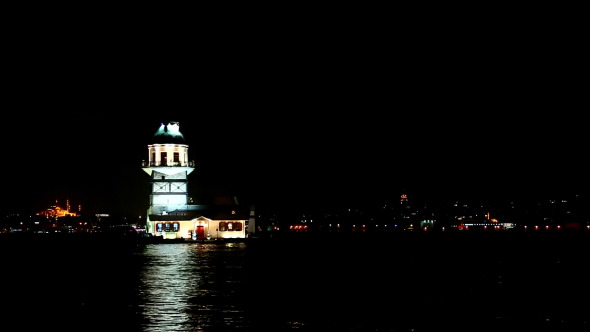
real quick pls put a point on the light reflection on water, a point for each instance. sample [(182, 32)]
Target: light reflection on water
[(191, 287), (354, 284)]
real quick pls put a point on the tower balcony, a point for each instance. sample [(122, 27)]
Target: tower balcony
[(145, 163)]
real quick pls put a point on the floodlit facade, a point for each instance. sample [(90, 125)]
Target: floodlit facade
[(57, 211), (170, 215)]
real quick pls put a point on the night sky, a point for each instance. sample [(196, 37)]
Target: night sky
[(337, 117)]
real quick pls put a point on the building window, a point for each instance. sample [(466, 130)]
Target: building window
[(164, 158), (237, 226), (176, 157), (159, 227), (175, 226), (167, 227), (222, 226)]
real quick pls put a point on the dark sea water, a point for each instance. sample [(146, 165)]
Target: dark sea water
[(299, 282)]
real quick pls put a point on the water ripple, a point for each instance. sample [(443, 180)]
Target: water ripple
[(191, 287)]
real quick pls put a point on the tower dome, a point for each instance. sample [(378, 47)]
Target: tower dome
[(169, 134)]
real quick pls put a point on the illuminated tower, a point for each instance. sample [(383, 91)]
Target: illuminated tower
[(169, 167), (170, 214)]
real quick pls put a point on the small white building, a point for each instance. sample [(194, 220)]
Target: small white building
[(170, 215), (197, 225)]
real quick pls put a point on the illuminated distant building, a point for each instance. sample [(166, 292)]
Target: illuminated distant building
[(169, 214), (57, 211), (403, 199)]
